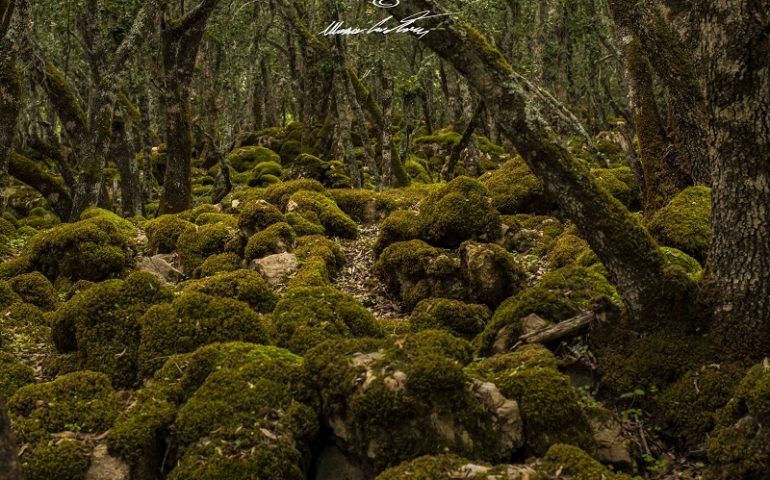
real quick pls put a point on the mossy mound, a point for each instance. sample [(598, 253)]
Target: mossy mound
[(237, 410), (245, 285), (302, 226), (318, 208), (681, 260), (489, 273), (549, 404), (574, 463), (515, 189), (164, 231), (558, 295), (363, 206), (40, 218), (399, 226), (195, 319), (530, 234), (220, 263), (258, 215), (35, 289), (7, 296), (685, 223), (95, 248), (279, 194), (102, 324), (307, 166), (448, 466), (462, 319), (82, 402), (306, 316), (566, 249), (321, 260), (197, 244), (277, 238), (739, 446), (13, 374), (461, 210), (621, 184), (245, 158), (389, 401)]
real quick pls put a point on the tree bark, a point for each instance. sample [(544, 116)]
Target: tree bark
[(180, 43), (9, 461), (10, 92), (130, 184), (50, 187)]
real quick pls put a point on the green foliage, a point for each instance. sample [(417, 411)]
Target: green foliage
[(277, 238), (685, 223), (462, 319)]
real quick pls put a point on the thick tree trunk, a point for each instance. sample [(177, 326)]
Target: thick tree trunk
[(10, 91), (50, 187), (736, 43), (180, 43), (130, 184), (631, 256), (9, 461)]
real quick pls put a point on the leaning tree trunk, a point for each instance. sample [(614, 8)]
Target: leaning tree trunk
[(627, 250), (736, 46), (180, 43)]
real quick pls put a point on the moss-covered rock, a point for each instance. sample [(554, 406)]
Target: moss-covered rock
[(7, 295), (549, 404), (40, 218), (399, 226), (319, 208), (448, 466), (95, 248), (621, 183), (558, 295), (102, 324), (279, 194), (739, 446), (195, 319), (197, 244), (34, 288), (573, 462), (306, 316), (164, 231), (238, 410), (685, 223), (245, 158), (220, 263), (515, 189), (363, 206), (388, 401), (13, 374), (258, 215), (321, 260), (277, 238), (244, 285), (681, 260), (490, 274), (530, 234), (462, 319), (566, 249), (461, 210), (302, 226), (307, 166)]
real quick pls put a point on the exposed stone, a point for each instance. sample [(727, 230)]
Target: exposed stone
[(276, 268), (106, 467), (613, 447), (163, 266)]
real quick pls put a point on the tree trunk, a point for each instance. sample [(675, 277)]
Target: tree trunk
[(10, 91), (736, 45), (130, 184), (180, 41), (9, 461), (50, 187)]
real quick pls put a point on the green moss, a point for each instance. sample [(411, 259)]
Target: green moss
[(245, 285), (65, 95), (531, 234), (459, 211), (621, 183), (196, 244), (7, 295), (363, 206), (13, 375), (276, 238), (399, 226), (95, 248), (127, 228), (739, 446), (7, 228), (559, 295), (289, 151), (306, 316), (462, 319), (578, 465), (279, 194), (220, 263), (685, 223), (308, 167), (303, 226), (316, 206), (321, 259), (428, 467), (34, 288), (68, 460), (195, 319), (515, 189), (678, 258), (566, 249), (258, 215), (101, 323), (246, 158), (268, 168), (417, 171)]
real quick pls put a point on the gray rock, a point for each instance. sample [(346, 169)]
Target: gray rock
[(276, 268), (106, 467), (163, 266)]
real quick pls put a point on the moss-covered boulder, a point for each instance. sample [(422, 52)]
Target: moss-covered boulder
[(739, 446), (490, 274), (307, 166), (35, 289), (549, 404), (573, 463), (414, 271), (306, 316), (321, 260), (685, 223), (515, 189), (389, 401), (102, 324), (399, 226), (258, 215), (237, 410), (448, 467), (461, 319), (53, 419), (13, 374), (220, 263), (197, 244), (245, 158), (621, 183), (461, 210), (279, 194), (530, 234), (566, 249), (95, 248), (318, 208), (195, 319), (558, 295), (163, 233), (363, 206), (302, 226), (244, 285), (7, 295), (277, 238)]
